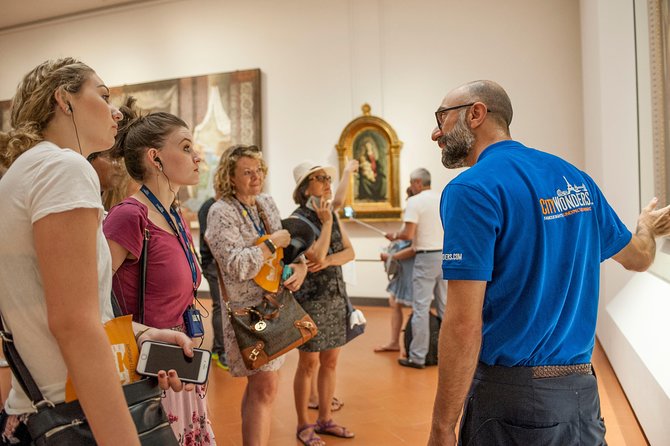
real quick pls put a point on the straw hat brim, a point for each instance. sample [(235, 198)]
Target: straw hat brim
[(330, 171)]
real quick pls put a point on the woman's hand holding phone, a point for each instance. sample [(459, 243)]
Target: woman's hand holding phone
[(169, 379), (323, 209)]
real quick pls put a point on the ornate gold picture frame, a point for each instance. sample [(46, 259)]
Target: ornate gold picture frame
[(659, 58), (375, 190)]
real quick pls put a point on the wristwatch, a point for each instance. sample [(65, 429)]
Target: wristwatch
[(271, 245)]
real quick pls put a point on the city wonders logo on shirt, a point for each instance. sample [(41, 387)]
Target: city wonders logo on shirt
[(567, 202)]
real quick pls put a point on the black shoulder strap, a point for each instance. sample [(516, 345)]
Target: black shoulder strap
[(19, 369), (315, 228), (143, 276)]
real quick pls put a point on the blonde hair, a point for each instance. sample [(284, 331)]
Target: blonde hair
[(34, 103), (223, 186)]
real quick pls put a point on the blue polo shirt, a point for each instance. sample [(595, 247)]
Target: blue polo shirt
[(535, 228)]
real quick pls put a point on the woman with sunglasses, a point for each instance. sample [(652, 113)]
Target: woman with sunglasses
[(324, 298), (236, 224)]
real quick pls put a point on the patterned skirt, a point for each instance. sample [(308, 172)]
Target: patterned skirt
[(330, 315), (187, 412)]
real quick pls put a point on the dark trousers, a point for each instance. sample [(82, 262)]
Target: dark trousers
[(211, 275), (507, 406)]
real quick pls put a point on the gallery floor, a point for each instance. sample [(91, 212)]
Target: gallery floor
[(385, 404)]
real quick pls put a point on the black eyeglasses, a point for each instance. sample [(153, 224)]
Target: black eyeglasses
[(441, 113), (322, 178)]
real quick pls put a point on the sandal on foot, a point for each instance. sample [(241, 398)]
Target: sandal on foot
[(330, 428), (307, 435), (335, 405), (386, 348)]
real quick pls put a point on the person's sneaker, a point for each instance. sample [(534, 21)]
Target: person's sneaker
[(220, 361), (406, 362)]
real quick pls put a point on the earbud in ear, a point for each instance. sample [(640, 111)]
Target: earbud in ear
[(159, 162), (69, 107)]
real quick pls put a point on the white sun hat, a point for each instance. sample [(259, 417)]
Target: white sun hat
[(306, 168)]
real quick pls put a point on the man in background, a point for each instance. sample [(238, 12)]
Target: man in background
[(422, 225), (525, 233)]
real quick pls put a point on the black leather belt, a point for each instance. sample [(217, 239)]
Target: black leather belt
[(426, 251)]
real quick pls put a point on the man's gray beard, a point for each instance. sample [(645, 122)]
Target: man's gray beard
[(457, 145)]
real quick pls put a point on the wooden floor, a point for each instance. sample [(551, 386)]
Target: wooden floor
[(385, 404)]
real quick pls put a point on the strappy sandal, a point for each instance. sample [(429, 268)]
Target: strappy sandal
[(312, 439), (330, 428), (335, 405)]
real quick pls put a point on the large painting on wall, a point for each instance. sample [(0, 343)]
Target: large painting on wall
[(220, 109), (374, 194)]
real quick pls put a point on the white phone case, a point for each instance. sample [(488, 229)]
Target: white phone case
[(172, 357)]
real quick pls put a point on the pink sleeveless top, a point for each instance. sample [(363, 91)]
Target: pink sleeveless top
[(169, 284)]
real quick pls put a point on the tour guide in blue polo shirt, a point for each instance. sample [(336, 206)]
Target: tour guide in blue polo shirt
[(524, 235)]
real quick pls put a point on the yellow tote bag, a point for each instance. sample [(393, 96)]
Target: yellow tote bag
[(124, 348)]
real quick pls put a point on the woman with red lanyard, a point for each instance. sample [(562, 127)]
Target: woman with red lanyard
[(158, 153)]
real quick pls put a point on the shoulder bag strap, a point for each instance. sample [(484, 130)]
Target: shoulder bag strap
[(116, 308), (19, 369), (224, 293), (143, 276), (315, 228)]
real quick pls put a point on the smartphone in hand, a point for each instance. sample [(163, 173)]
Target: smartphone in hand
[(156, 356), (314, 203)]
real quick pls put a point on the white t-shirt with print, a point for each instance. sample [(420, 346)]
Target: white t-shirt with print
[(44, 180), (424, 210)]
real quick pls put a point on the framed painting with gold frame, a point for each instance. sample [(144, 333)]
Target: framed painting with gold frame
[(374, 192)]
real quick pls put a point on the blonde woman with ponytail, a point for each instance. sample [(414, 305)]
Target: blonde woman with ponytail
[(55, 266)]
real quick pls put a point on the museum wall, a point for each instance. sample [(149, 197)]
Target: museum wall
[(632, 325), (322, 60)]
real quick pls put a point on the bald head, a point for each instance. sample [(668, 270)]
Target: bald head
[(493, 95)]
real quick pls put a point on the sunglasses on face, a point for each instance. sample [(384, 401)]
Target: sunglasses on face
[(322, 178)]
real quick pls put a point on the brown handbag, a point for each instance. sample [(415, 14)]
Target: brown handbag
[(268, 330)]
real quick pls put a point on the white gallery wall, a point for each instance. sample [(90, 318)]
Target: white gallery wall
[(321, 60), (632, 325)]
